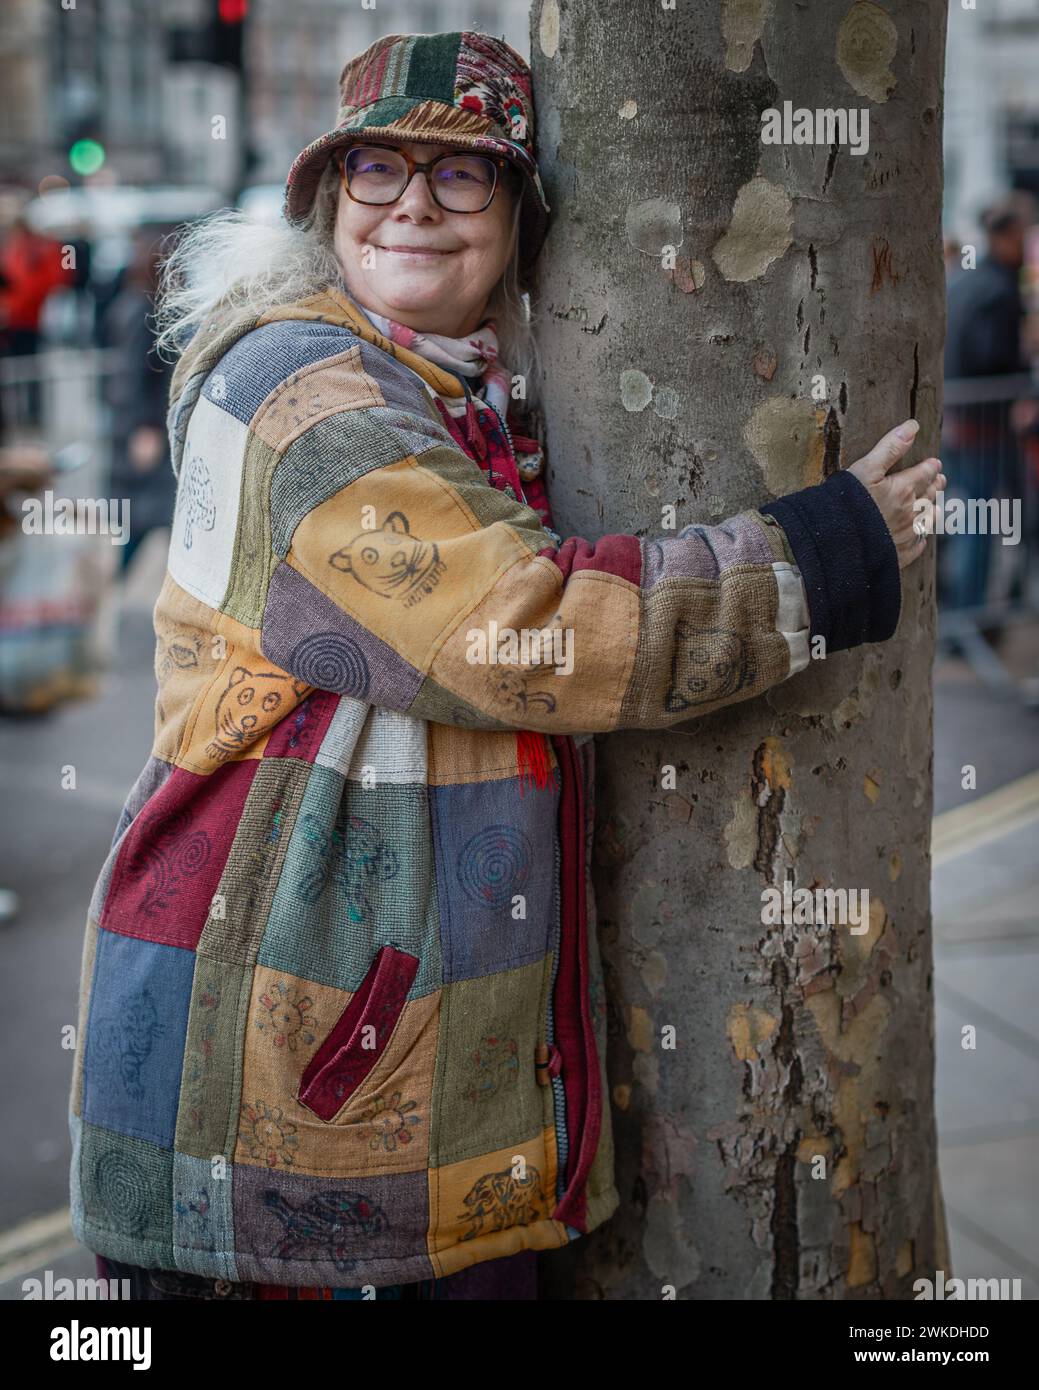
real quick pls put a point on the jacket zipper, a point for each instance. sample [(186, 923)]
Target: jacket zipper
[(582, 1063), (508, 433), (558, 1093)]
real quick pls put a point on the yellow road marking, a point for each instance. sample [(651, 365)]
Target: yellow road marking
[(990, 817)]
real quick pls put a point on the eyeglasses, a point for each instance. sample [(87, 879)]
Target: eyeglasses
[(379, 174)]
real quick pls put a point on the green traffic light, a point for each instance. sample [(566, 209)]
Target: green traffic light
[(86, 156)]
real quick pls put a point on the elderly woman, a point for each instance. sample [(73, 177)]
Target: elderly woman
[(342, 1013)]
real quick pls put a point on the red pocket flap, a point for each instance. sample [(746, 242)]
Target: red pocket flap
[(341, 1063)]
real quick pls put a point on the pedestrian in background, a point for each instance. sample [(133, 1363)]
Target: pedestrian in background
[(30, 270), (136, 392), (985, 312)]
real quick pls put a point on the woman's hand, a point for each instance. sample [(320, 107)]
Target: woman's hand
[(896, 496)]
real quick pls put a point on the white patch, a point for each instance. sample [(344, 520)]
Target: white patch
[(792, 616), (206, 516), (368, 744)]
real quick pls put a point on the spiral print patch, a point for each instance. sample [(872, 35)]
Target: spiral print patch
[(331, 662), (495, 864), (167, 853), (122, 1191), (192, 853)]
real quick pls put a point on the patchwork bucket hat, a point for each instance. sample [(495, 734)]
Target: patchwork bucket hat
[(459, 88)]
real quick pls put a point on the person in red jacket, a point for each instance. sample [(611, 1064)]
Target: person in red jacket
[(30, 270)]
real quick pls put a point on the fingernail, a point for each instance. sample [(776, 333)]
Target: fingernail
[(908, 430)]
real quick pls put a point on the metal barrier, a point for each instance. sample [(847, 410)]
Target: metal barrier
[(988, 460), (57, 397)]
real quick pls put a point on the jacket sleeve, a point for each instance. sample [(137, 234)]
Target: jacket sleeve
[(415, 586)]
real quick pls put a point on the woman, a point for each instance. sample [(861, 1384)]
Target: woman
[(342, 1005)]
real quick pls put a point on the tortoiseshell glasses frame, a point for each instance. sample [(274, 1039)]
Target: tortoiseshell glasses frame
[(497, 164)]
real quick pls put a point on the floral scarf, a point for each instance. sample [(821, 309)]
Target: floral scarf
[(473, 356), (476, 356)]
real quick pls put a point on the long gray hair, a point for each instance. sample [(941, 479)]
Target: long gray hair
[(229, 262)]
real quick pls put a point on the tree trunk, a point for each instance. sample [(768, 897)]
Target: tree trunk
[(785, 1146)]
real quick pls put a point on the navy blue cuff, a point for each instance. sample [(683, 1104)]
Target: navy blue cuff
[(847, 559)]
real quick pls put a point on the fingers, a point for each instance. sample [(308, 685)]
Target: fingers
[(938, 485), (920, 476), (926, 480), (888, 450), (911, 551)]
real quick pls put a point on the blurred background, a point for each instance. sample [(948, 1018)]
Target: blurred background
[(122, 120)]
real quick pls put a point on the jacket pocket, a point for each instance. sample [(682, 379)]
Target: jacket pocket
[(350, 1051)]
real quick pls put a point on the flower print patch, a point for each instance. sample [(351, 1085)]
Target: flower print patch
[(266, 1135), (494, 1065), (391, 1122), (479, 89), (284, 1016)]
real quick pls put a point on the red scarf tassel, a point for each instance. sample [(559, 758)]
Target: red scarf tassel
[(532, 759)]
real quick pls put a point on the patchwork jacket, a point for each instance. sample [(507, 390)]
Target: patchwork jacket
[(342, 1018)]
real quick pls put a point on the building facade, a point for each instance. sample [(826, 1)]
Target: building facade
[(991, 107)]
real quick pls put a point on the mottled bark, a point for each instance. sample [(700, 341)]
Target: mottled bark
[(693, 386)]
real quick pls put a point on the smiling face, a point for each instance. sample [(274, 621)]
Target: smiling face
[(417, 263)]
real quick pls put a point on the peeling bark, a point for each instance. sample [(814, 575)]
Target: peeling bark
[(786, 1147)]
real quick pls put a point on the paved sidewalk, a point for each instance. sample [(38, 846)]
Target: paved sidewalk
[(985, 896)]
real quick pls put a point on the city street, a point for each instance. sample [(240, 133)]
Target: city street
[(986, 947)]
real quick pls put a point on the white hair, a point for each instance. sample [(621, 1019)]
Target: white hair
[(230, 264)]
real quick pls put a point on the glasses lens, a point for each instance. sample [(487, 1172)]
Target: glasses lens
[(464, 182), (374, 176)]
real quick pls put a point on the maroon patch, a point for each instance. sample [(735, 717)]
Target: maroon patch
[(571, 1009), (173, 855), (619, 555), (300, 733)]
